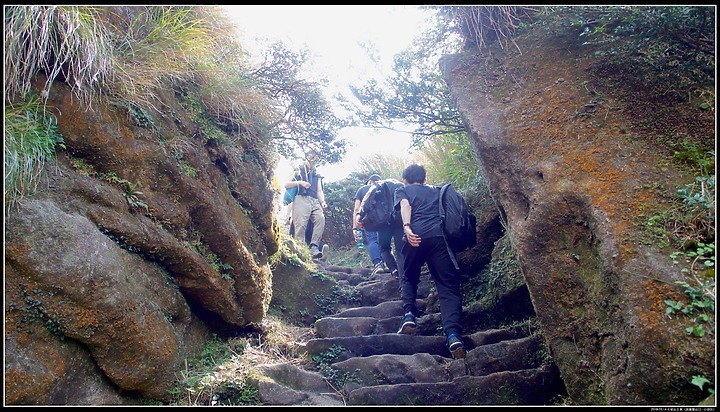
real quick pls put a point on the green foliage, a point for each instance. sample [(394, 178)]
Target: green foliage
[(341, 294), (336, 378), (699, 194), (187, 168), (700, 264), (415, 94), (30, 139), (502, 275), (388, 166), (82, 167), (307, 121), (689, 218), (129, 189), (480, 25), (217, 264), (205, 380), (157, 48), (130, 55), (451, 158), (700, 381), (290, 253), (338, 215), (668, 45), (699, 158)]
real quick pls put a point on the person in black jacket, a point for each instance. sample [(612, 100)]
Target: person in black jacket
[(425, 243), (373, 247)]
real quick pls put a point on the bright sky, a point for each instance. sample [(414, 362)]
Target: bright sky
[(334, 34)]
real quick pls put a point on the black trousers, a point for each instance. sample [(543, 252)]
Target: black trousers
[(386, 238), (434, 252)]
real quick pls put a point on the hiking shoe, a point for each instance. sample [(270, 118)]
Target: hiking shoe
[(325, 251), (395, 274), (315, 252), (455, 346), (378, 268), (409, 327)]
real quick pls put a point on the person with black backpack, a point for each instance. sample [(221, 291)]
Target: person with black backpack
[(424, 242), (371, 236), (378, 212)]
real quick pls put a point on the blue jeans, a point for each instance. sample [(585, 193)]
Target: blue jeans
[(373, 247)]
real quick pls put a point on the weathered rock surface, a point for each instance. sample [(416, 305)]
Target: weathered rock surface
[(128, 260), (572, 183)]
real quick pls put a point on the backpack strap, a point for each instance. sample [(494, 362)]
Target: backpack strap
[(444, 189)]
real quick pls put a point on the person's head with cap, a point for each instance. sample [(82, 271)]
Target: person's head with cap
[(374, 178)]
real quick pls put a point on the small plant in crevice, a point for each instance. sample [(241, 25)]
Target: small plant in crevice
[(187, 168), (334, 377), (290, 252), (221, 267), (129, 189), (340, 295), (217, 264), (82, 167), (695, 156)]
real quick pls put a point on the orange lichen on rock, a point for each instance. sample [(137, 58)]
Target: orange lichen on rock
[(652, 312)]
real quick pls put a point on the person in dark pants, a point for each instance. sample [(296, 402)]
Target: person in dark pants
[(393, 236), (386, 239), (425, 243), (373, 247)]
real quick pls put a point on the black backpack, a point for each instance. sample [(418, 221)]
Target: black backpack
[(376, 210), (457, 220)]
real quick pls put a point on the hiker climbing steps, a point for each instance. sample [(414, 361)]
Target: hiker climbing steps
[(362, 360)]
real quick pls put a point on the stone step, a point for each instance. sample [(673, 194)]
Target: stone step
[(393, 343), (391, 369), (287, 384), (284, 384), (387, 288), (534, 386), (371, 364), (382, 310)]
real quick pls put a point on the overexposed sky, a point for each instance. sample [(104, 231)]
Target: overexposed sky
[(335, 36)]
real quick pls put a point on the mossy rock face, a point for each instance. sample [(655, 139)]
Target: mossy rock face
[(298, 293)]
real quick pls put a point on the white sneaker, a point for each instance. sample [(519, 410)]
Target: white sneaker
[(315, 252), (325, 251), (379, 268)]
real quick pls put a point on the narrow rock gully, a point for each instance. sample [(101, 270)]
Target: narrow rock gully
[(362, 360)]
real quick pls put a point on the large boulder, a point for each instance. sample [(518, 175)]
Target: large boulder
[(573, 173), (143, 238)]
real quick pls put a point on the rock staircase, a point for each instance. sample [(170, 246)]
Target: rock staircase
[(361, 360)]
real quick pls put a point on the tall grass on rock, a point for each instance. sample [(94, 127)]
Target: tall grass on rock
[(65, 42), (30, 139)]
